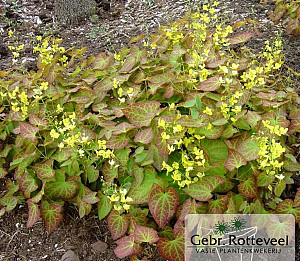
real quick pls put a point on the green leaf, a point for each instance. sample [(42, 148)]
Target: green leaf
[(167, 233), (140, 192), (91, 198), (144, 136), (216, 150), (141, 113), (105, 85), (200, 190), (214, 180), (162, 204), (51, 214), (172, 250), (129, 63), (33, 214), (219, 122), (117, 224), (263, 179), (122, 156), (225, 187), (217, 206), (62, 155), (189, 103), (290, 165), (240, 38), (249, 149), (279, 188), (44, 170), (109, 172), (27, 184), (28, 131), (280, 228), (3, 172), (101, 61), (214, 133), (117, 142), (194, 113), (138, 174), (61, 189), (104, 206), (92, 173), (234, 160), (229, 132), (145, 235), (198, 102), (158, 158), (248, 188), (126, 247), (35, 120), (253, 118), (9, 202), (287, 207), (210, 85), (5, 151)]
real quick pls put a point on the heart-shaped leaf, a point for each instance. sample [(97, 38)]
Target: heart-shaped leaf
[(162, 204)]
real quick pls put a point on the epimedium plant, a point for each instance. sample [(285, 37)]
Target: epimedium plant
[(289, 13), (186, 124)]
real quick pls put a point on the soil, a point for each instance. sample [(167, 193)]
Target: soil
[(112, 26)]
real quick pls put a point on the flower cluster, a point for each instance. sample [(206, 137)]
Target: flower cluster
[(188, 169), (269, 155), (68, 135), (15, 47), (230, 108), (47, 49), (117, 196), (121, 93)]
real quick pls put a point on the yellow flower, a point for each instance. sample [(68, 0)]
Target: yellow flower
[(120, 92), (178, 128), (208, 111), (165, 136), (205, 8), (59, 108), (117, 56), (153, 45), (175, 165), (114, 197), (209, 126), (126, 206), (39, 38), (44, 85), (171, 148), (161, 123), (176, 175), (23, 98), (101, 144), (54, 134), (10, 33), (20, 47), (115, 83), (237, 109), (15, 54)]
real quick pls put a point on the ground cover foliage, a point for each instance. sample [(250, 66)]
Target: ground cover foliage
[(193, 122), (289, 13)]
